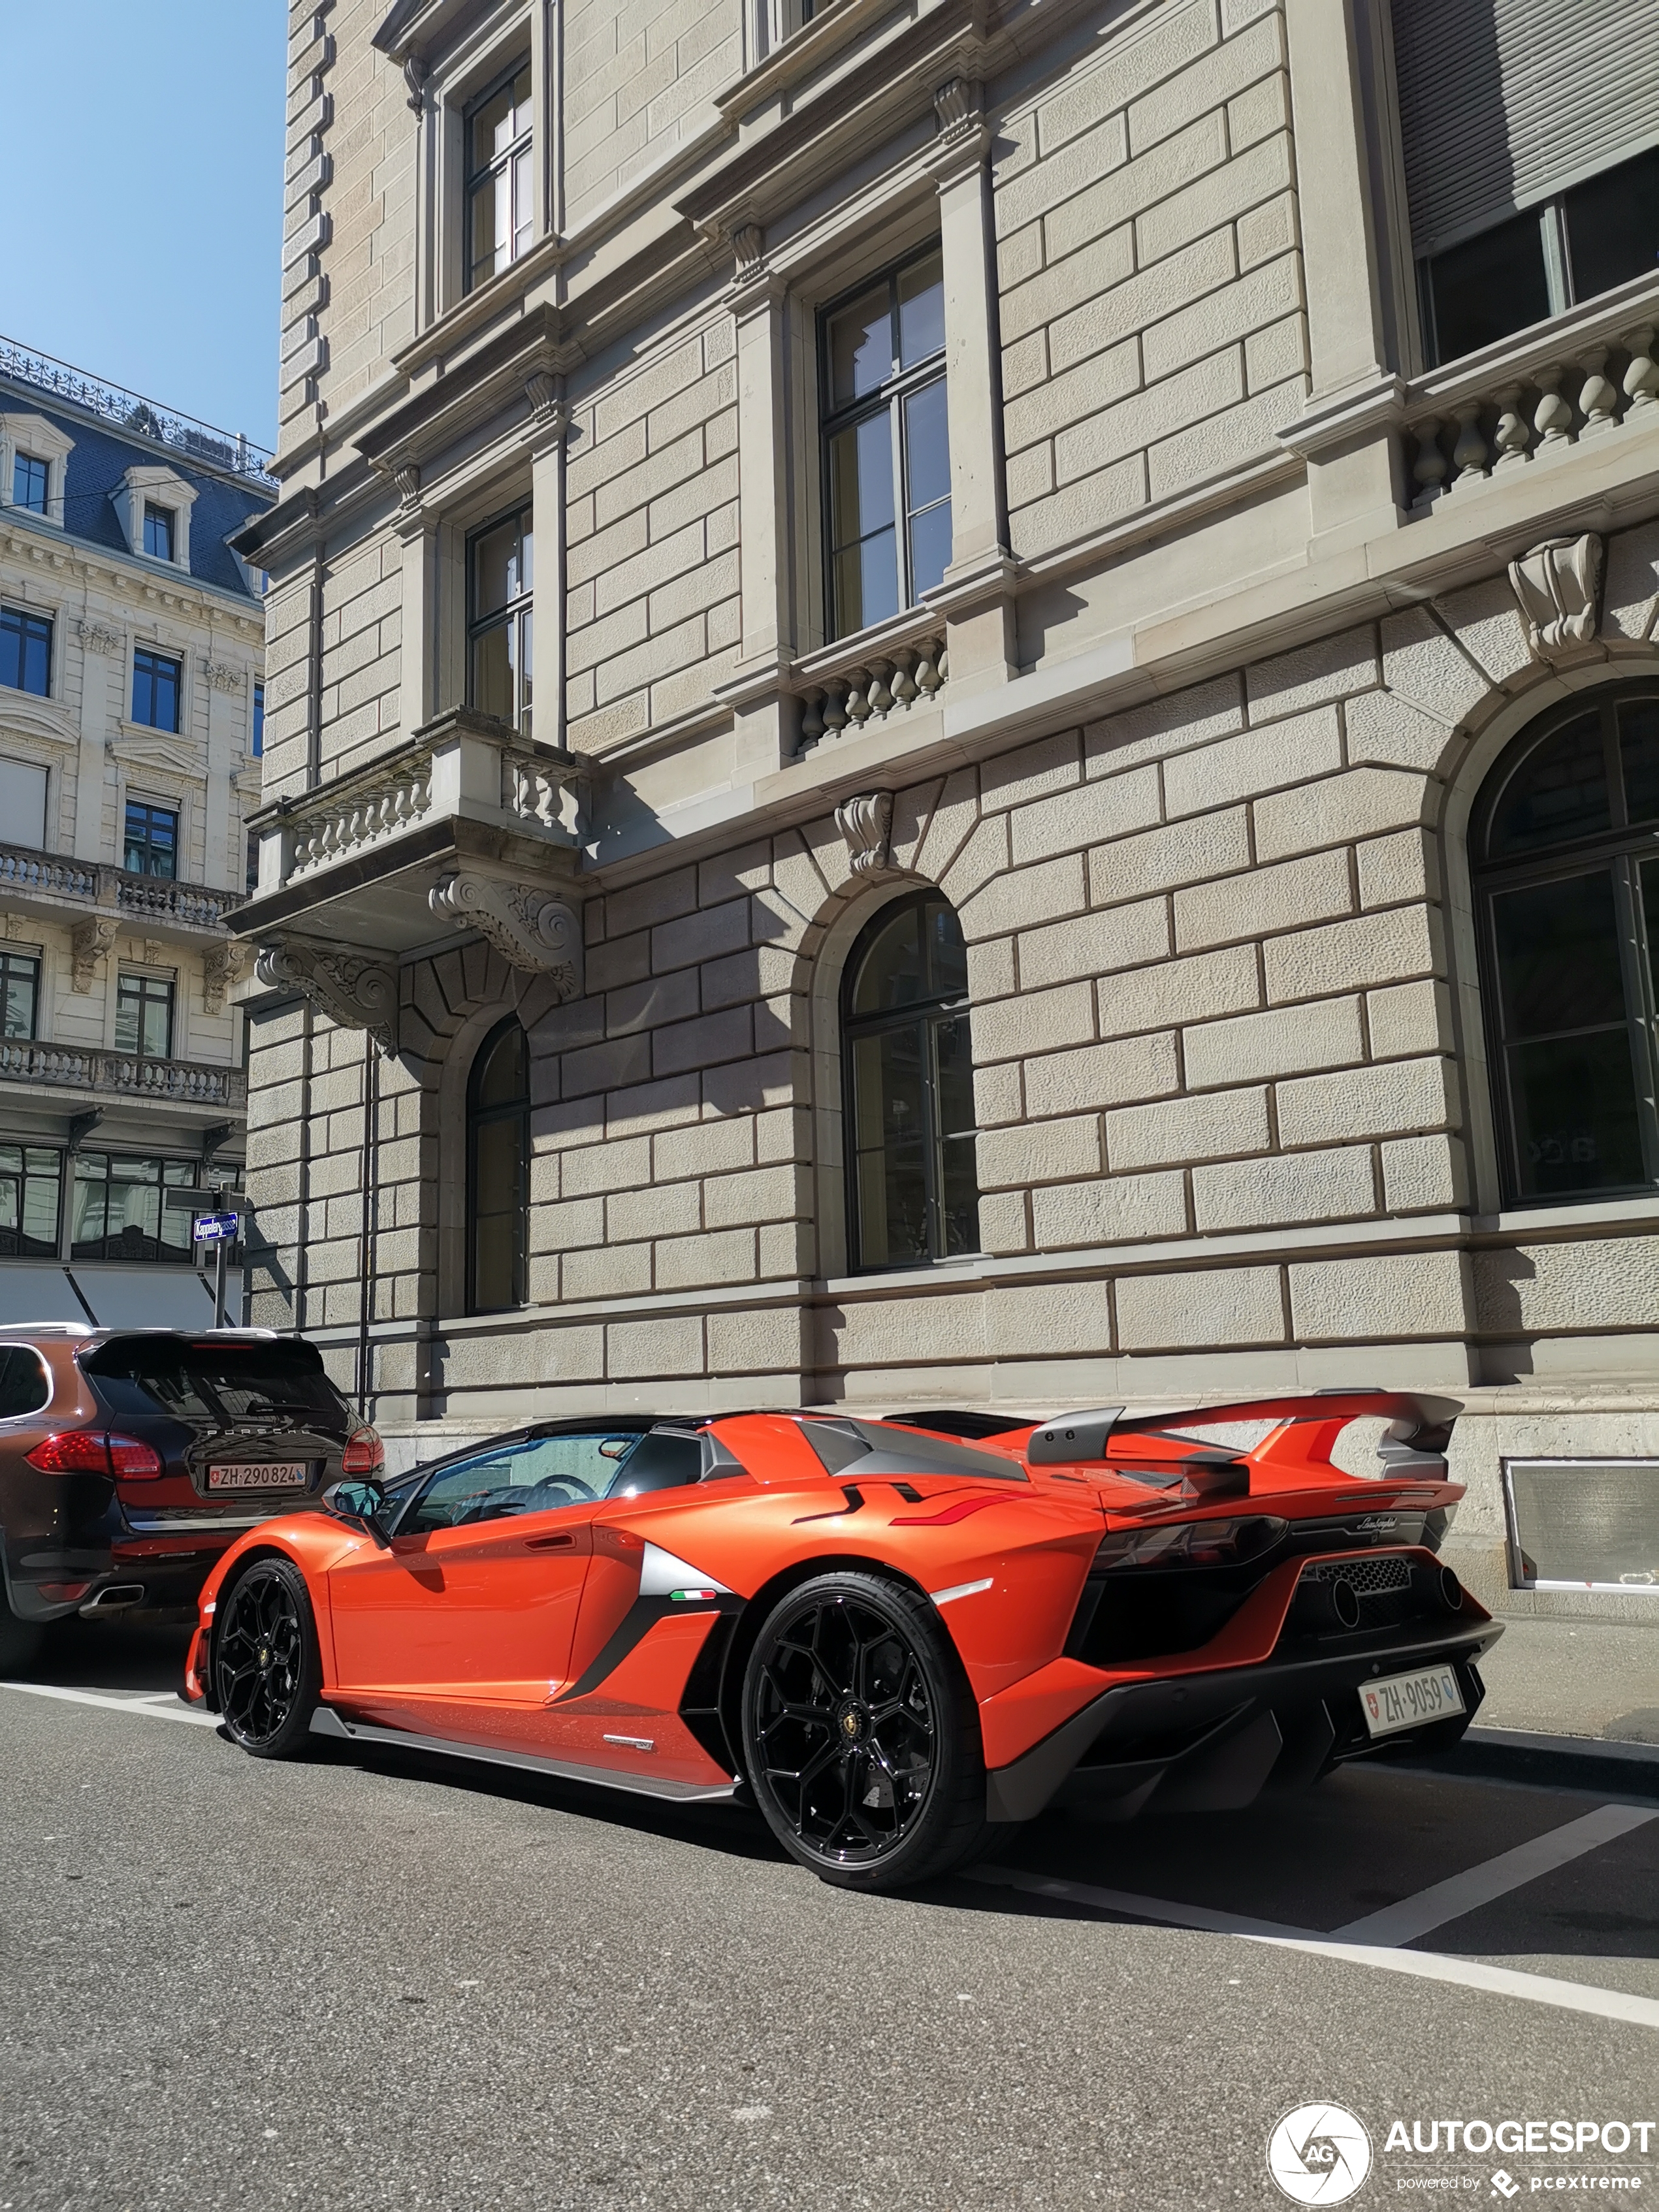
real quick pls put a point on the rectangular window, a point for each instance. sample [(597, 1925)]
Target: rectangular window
[(886, 445), (26, 651), (28, 483), (157, 681), (158, 531), (117, 1212), (143, 1016), (20, 992), (500, 571), (500, 184), (23, 802), (31, 1181), (258, 720), (151, 846), (1583, 1524)]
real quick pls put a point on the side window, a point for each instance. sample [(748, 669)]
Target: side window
[(521, 1474), (25, 1386)]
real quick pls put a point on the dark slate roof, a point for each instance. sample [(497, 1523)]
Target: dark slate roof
[(102, 457)]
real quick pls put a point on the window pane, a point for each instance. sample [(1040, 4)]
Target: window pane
[(1560, 791), (157, 1035), (158, 533), (21, 979), (947, 955), (930, 549), (889, 1141), (1638, 753), (926, 447), (498, 569), (492, 672), (488, 226), (29, 484), (258, 720), (504, 1078), (1575, 1115), (861, 480), (25, 651), (1613, 225), (1488, 286), (1558, 957), (861, 347), (891, 973), (497, 1186), (497, 121), (523, 203), (958, 1173), (921, 311)]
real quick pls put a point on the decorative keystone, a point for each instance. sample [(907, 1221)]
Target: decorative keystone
[(530, 930), (1557, 586), (353, 989), (864, 824)]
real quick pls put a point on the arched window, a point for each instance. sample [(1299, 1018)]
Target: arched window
[(913, 1190), (498, 1171), (1566, 875)]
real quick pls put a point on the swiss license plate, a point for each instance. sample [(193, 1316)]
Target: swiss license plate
[(1401, 1701), (273, 1475)]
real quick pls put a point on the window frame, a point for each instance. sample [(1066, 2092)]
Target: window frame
[(150, 807), (475, 180), (891, 395), (9, 960), (519, 613), (28, 619), (22, 459), (161, 519), (257, 723), (171, 1173), (928, 1014), (148, 989), (490, 1117), (155, 660), (41, 1250), (1619, 850)]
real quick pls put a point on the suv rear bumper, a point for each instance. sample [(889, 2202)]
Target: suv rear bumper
[(1213, 1740)]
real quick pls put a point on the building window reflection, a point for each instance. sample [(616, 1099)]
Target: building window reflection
[(498, 1171)]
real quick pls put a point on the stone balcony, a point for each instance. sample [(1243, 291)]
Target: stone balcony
[(465, 827), (55, 1069), (55, 888)]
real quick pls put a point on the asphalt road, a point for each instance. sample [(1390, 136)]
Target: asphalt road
[(389, 1982)]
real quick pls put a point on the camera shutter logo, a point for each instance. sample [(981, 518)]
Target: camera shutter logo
[(1319, 2154)]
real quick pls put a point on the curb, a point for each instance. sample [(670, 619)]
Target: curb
[(1564, 1762)]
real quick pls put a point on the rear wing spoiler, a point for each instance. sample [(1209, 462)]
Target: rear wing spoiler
[(1420, 1426)]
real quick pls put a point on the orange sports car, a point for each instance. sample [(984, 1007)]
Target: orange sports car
[(890, 1635)]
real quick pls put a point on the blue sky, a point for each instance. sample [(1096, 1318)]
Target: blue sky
[(141, 163)]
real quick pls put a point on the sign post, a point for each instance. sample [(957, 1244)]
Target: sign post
[(217, 1222)]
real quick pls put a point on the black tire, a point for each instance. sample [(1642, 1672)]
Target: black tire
[(267, 1671), (19, 1640), (861, 1737)]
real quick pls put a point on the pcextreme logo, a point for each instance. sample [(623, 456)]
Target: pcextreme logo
[(1319, 2154)]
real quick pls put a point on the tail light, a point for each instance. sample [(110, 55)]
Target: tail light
[(1190, 1543), (91, 1451), (364, 1453)]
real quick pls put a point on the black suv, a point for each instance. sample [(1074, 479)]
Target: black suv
[(130, 1458)]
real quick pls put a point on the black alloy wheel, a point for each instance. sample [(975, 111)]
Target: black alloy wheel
[(861, 1737), (266, 1669)]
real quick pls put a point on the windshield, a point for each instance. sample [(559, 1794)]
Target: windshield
[(214, 1381), (537, 1475)]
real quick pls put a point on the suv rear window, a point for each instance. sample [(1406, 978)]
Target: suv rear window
[(214, 1381)]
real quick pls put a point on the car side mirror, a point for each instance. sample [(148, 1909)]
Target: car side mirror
[(362, 1501)]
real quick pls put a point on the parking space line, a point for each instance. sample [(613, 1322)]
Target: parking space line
[(1427, 1966), (1464, 1893), (173, 1712), (1141, 1908)]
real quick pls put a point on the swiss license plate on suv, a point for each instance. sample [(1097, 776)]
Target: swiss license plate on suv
[(1401, 1701), (274, 1474)]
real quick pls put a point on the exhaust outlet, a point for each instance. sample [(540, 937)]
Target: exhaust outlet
[(1438, 1587), (1334, 1604), (116, 1599)]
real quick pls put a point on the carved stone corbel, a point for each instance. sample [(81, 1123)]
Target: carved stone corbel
[(1558, 586), (223, 969), (414, 74), (353, 989), (531, 930), (864, 824), (90, 941)]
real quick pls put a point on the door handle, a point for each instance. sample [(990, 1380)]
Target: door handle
[(548, 1543)]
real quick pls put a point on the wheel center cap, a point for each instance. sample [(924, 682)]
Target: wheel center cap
[(851, 1721), (264, 1657)]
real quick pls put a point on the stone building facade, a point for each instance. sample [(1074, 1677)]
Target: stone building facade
[(131, 662), (1221, 743)]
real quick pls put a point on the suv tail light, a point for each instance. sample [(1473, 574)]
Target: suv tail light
[(364, 1453), (90, 1451)]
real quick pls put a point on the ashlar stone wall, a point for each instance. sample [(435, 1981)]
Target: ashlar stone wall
[(1153, 325), (638, 78)]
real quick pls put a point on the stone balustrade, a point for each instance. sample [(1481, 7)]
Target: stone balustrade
[(843, 693), (1489, 418), (122, 1075), (361, 810), (145, 900)]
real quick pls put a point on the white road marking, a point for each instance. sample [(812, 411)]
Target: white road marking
[(1464, 1892), (1472, 1974), (168, 1712)]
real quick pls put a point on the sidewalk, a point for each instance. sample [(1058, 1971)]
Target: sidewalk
[(1574, 1678)]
